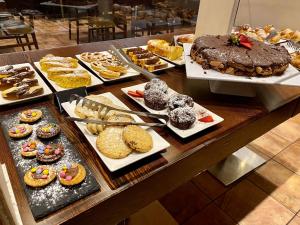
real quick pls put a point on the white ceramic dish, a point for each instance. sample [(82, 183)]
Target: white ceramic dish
[(46, 91), (195, 71), (197, 127), (130, 72), (159, 144), (95, 80), (170, 65)]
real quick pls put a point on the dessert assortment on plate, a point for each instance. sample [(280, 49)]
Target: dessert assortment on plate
[(106, 65), (65, 72), (164, 49), (117, 146), (19, 82), (239, 55), (261, 33), (185, 116), (39, 161), (146, 59)]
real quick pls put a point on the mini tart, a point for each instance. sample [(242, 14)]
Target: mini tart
[(20, 131), (39, 176), (71, 174), (50, 153), (30, 148), (31, 115), (48, 130)]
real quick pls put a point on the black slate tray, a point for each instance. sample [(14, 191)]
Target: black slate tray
[(48, 199)]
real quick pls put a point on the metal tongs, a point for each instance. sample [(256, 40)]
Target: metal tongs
[(103, 109)]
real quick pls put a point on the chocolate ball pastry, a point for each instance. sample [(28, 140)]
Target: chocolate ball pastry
[(179, 101), (39, 176), (48, 130), (50, 153), (158, 84), (155, 99), (31, 115), (182, 118), (71, 174), (20, 131), (30, 148)]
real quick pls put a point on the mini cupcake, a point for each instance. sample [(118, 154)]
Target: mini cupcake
[(155, 99), (158, 84), (179, 101), (48, 130), (182, 118)]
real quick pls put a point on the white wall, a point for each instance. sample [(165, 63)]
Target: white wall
[(280, 13)]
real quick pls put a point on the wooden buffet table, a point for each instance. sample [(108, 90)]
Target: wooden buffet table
[(128, 190)]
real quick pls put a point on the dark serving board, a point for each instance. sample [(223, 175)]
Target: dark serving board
[(48, 199)]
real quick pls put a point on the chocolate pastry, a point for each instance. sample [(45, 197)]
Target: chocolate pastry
[(48, 130), (179, 101), (50, 153), (158, 84), (22, 91), (215, 52), (72, 174), (39, 176), (17, 77), (30, 148), (182, 118)]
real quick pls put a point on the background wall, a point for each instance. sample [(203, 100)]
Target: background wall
[(280, 13)]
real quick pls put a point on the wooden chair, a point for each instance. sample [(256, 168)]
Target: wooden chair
[(101, 26)]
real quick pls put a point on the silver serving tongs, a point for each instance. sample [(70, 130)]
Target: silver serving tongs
[(103, 109)]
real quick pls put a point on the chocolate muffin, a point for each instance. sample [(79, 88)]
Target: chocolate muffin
[(48, 130), (155, 99), (156, 83), (179, 101), (182, 118)]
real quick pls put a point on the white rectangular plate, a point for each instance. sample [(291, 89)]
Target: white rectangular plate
[(197, 127), (170, 65), (95, 80), (130, 73), (195, 71), (159, 143), (46, 91)]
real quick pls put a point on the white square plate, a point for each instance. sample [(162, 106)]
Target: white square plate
[(159, 144), (195, 71), (42, 83), (197, 127), (95, 80), (130, 72), (170, 65)]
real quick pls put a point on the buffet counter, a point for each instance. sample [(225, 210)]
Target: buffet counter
[(127, 190)]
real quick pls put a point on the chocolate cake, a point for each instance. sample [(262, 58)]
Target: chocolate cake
[(216, 52)]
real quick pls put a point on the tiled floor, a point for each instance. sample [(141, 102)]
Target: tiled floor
[(270, 195)]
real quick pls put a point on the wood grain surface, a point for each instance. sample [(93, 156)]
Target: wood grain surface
[(125, 192)]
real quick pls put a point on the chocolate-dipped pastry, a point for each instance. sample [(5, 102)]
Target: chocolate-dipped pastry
[(50, 153), (17, 77), (15, 91), (28, 81)]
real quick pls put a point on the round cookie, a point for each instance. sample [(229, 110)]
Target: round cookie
[(179, 101), (50, 153), (30, 148), (39, 176), (31, 115), (71, 174), (137, 138), (111, 144), (156, 83), (20, 131), (155, 99), (48, 130), (182, 118)]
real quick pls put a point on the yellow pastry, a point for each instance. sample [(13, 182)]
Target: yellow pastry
[(79, 78), (163, 48)]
